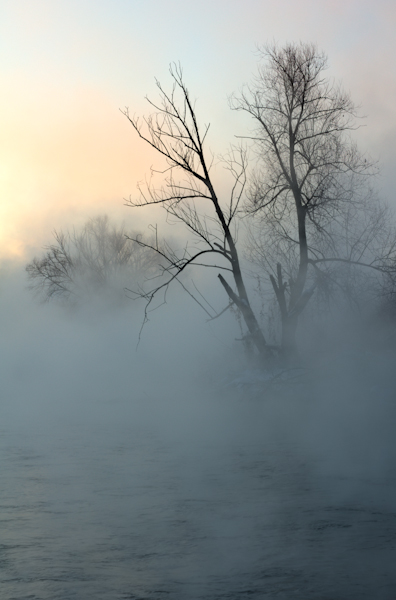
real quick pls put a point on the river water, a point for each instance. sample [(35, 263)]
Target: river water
[(178, 495)]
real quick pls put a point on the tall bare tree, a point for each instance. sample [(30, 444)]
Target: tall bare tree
[(310, 170), (189, 195)]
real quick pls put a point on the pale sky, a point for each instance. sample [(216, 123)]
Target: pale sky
[(67, 66)]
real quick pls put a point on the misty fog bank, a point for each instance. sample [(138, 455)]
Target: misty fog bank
[(57, 358), (173, 471)]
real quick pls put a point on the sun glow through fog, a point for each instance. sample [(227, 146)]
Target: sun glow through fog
[(65, 149)]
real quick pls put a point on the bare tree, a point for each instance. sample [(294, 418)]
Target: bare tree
[(311, 175), (86, 262), (188, 195), (352, 258)]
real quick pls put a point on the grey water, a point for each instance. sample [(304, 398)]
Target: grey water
[(103, 502), (142, 476)]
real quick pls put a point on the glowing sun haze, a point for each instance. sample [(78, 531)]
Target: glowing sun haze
[(67, 67)]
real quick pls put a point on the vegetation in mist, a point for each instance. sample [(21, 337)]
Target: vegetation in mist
[(318, 236), (82, 264), (315, 223)]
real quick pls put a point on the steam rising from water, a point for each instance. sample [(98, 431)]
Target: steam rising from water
[(146, 474)]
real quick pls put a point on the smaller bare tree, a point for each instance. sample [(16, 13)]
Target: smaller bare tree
[(192, 199), (86, 262)]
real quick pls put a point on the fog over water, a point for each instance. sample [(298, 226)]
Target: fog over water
[(172, 471)]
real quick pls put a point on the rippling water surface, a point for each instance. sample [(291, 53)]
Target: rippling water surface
[(178, 497)]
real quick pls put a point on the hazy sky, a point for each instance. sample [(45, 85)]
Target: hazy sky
[(68, 66)]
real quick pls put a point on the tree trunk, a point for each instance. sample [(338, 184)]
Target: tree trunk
[(288, 344), (249, 318)]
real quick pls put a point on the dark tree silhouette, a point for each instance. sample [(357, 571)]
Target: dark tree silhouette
[(188, 194)]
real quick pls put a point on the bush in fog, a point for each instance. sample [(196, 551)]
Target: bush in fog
[(96, 259)]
